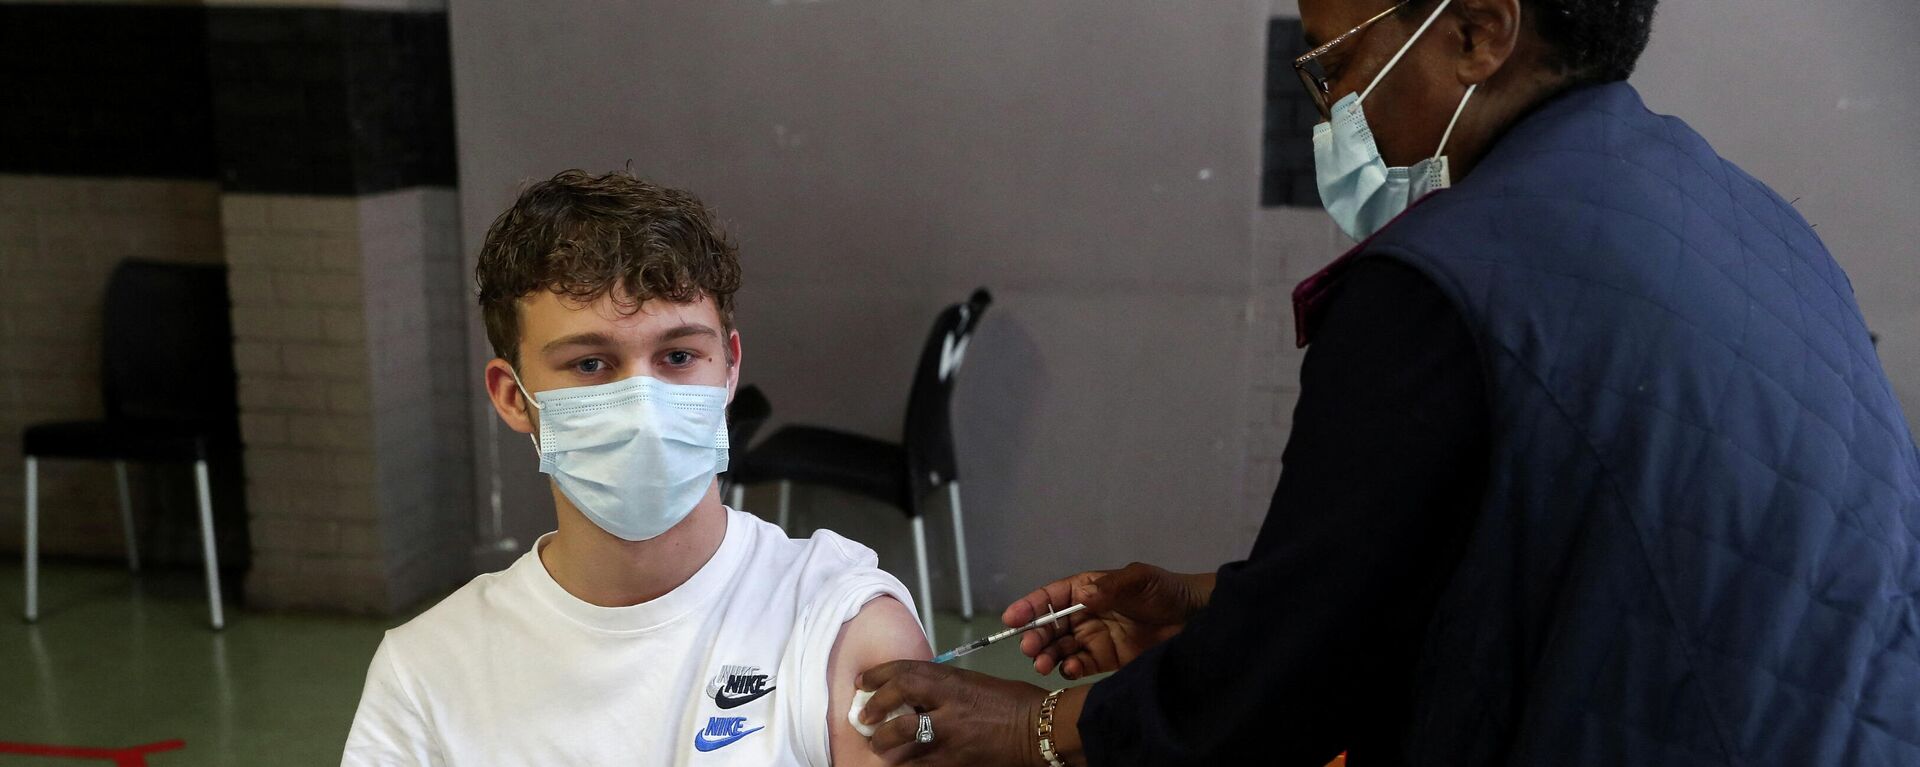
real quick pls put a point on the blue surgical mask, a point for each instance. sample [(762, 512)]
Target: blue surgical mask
[(1357, 187), (636, 455)]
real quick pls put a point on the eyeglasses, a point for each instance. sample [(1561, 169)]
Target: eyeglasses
[(1314, 76)]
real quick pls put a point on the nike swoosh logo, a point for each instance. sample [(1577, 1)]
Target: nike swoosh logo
[(720, 699), (701, 744)]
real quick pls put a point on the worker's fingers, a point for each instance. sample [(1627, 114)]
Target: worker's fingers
[(1058, 593), (894, 734), (1069, 643), (1080, 656), (903, 683), (1075, 657), (1034, 642), (1080, 665)]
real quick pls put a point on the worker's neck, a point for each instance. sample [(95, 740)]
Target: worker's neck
[(600, 569)]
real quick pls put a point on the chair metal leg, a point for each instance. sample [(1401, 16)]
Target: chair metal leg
[(739, 497), (960, 552), (33, 539), (786, 505), (206, 543), (926, 590), (126, 515)]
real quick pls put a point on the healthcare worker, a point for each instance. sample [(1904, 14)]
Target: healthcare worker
[(1593, 461)]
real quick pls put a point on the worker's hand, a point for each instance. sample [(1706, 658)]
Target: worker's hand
[(977, 720), (1128, 610)]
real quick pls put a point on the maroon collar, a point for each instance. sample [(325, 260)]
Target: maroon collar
[(1310, 297)]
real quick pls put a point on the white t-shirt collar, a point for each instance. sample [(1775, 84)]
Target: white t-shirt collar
[(701, 590)]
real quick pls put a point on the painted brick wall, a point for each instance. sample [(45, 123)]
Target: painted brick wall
[(1292, 239), (335, 143), (1290, 244), (412, 280), (305, 400), (357, 504)]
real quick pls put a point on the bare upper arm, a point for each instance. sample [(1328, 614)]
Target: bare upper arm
[(883, 630)]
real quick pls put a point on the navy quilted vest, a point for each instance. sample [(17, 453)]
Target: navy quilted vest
[(1699, 539)]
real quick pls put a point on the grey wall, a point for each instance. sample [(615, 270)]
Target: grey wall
[(1819, 101), (1095, 163)]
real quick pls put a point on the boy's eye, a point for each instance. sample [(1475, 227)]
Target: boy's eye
[(589, 366), (680, 358)]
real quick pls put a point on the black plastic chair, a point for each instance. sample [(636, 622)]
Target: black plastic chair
[(167, 379), (897, 474), (748, 411)]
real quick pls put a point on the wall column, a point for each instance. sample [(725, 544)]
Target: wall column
[(338, 213)]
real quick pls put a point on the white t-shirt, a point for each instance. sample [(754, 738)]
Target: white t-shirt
[(728, 669)]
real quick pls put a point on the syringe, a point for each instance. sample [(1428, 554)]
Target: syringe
[(976, 644)]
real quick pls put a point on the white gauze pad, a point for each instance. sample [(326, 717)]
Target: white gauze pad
[(860, 698)]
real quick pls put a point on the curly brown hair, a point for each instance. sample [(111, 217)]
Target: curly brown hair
[(580, 235)]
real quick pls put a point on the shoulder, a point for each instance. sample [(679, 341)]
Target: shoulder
[(1385, 309), (837, 551), (1381, 279), (848, 603), (391, 724), (454, 621), (811, 566), (769, 540)]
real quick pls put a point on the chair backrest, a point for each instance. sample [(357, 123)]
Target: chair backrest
[(167, 353), (745, 415), (929, 427)]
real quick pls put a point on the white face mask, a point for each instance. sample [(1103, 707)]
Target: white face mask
[(636, 455), (1356, 185)]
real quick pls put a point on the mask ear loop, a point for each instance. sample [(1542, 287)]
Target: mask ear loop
[(530, 400), (1403, 50), (1448, 135)]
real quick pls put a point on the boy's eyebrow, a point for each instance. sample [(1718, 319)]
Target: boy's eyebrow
[(595, 338), (689, 329), (578, 339)]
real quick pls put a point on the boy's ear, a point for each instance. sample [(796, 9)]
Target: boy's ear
[(733, 364), (508, 402)]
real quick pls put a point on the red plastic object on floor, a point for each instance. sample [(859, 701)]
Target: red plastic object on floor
[(131, 756)]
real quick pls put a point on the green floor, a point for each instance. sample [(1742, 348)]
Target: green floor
[(117, 661)]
